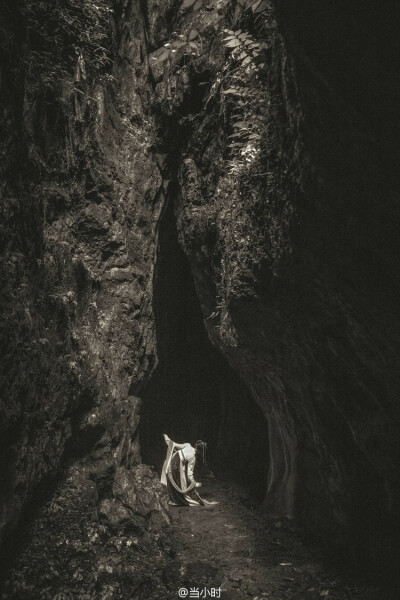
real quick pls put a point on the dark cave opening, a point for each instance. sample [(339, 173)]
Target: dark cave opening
[(194, 393)]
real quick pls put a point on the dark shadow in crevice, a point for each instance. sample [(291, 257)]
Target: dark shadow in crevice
[(194, 393)]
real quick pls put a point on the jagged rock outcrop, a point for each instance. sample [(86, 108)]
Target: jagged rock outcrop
[(139, 501)]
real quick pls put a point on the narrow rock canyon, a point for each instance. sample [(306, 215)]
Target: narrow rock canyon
[(199, 237)]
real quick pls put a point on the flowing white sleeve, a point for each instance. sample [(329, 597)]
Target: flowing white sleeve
[(190, 469)]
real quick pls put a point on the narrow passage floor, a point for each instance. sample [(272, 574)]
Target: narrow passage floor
[(234, 547), (227, 550)]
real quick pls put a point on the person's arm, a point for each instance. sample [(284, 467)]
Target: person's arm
[(177, 446), (190, 469)]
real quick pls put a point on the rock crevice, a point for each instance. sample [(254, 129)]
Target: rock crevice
[(281, 194)]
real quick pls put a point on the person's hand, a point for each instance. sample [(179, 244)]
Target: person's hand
[(166, 438), (198, 484)]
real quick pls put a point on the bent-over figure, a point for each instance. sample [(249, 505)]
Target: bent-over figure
[(178, 472)]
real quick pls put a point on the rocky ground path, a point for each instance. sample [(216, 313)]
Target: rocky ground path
[(227, 550), (233, 547)]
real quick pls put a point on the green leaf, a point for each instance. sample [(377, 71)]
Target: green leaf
[(163, 55), (233, 44)]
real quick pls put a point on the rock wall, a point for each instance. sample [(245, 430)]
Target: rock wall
[(81, 198), (286, 213)]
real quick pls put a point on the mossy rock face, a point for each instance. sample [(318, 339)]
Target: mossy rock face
[(79, 248)]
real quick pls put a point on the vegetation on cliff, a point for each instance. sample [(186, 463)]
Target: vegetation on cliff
[(283, 198)]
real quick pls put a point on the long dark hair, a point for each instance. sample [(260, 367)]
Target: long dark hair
[(201, 448)]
